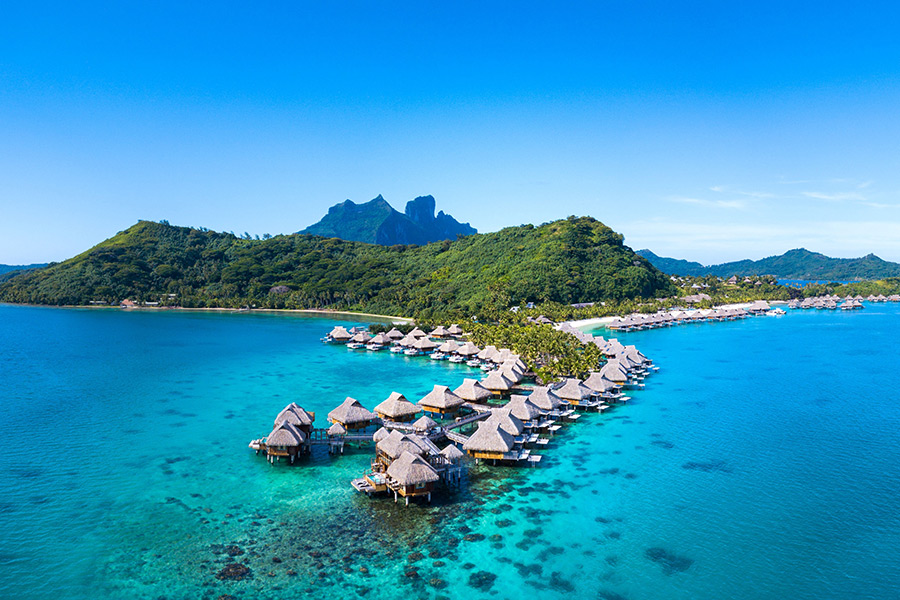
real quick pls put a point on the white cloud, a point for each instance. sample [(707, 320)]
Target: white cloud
[(733, 204), (835, 197)]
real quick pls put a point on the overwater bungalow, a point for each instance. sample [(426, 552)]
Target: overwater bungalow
[(397, 408), (411, 476), (362, 337), (490, 441), (468, 350), (441, 401), (424, 344), (352, 415), (522, 408), (336, 429), (576, 393), (407, 341), (507, 421), (296, 416), (394, 334), (380, 434), (614, 372), (396, 443), (417, 333), (511, 374), (487, 353), (449, 347), (455, 330), (497, 384), (286, 441), (424, 424), (601, 385), (339, 334), (472, 391), (440, 332), (545, 398), (452, 454)]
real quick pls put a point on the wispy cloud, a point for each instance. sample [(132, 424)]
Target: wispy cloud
[(835, 197), (721, 189)]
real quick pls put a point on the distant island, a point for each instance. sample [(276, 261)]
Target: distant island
[(794, 264), (577, 259), (376, 222), (7, 271)]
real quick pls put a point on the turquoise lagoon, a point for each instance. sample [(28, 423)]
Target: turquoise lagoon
[(762, 461)]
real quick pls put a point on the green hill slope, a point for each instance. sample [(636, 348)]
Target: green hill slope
[(573, 260)]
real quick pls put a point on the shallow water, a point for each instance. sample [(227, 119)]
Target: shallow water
[(761, 461)]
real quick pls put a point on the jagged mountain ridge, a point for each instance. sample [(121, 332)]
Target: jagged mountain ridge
[(377, 222)]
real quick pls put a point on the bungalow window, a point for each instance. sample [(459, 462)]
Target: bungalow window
[(420, 486)]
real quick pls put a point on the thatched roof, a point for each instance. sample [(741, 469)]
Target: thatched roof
[(455, 329), (396, 407), (516, 363), (407, 341), (468, 349), (472, 391), (496, 382), (544, 398), (599, 383), (507, 421), (350, 411), (488, 353), (294, 415), (573, 389), (285, 434), (439, 331), (340, 333), (417, 333), (512, 374), (337, 429), (380, 338), (503, 355), (490, 438), (380, 435), (397, 442), (424, 423), (423, 343), (614, 372), (441, 397), (521, 408), (452, 453), (394, 334), (448, 346), (361, 337), (410, 469)]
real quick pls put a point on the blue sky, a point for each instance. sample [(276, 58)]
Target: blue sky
[(708, 131)]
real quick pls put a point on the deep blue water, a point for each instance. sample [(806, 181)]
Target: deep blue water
[(762, 461)]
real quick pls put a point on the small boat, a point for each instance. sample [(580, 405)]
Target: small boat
[(776, 312), (487, 367), (397, 349), (412, 352), (438, 356), (457, 359), (355, 345), (374, 347), (474, 363)]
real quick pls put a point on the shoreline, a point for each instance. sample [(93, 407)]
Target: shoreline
[(311, 311)]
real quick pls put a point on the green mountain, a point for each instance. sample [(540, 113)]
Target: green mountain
[(572, 260), (376, 222), (794, 264), (673, 266)]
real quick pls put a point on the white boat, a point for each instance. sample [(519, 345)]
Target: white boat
[(776, 312), (374, 347), (412, 352), (355, 345), (397, 349), (457, 359), (438, 356), (474, 363)]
